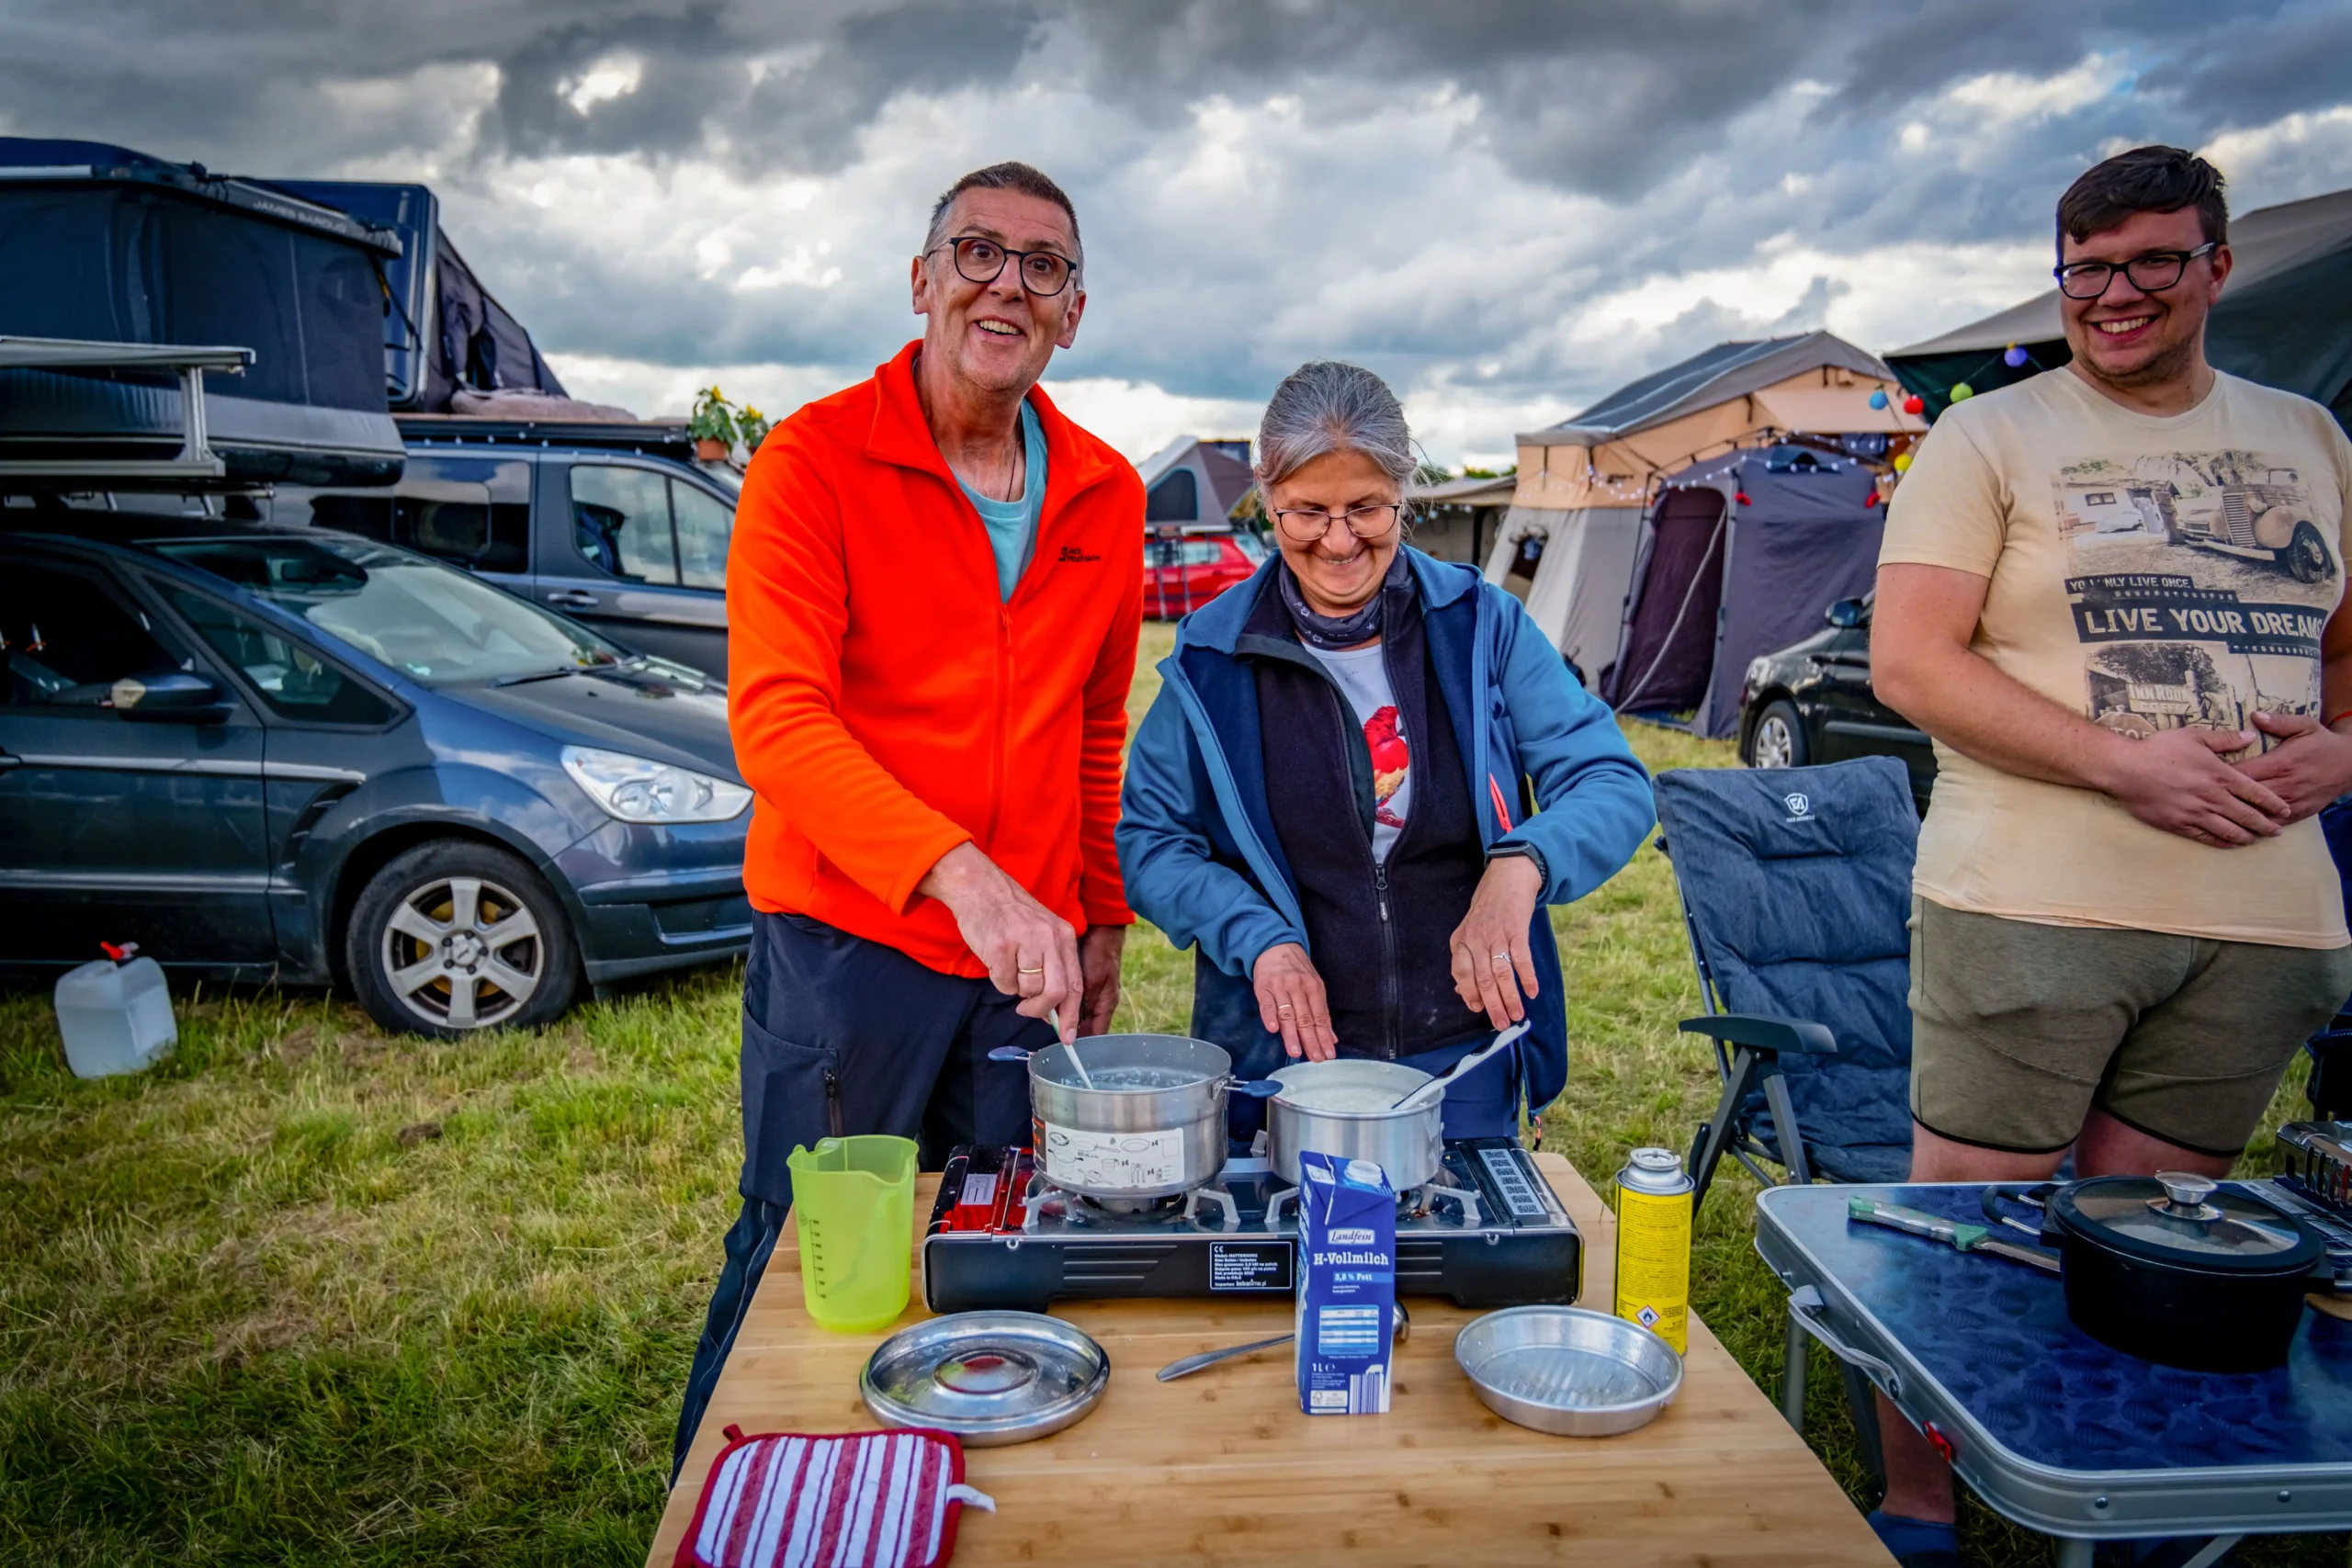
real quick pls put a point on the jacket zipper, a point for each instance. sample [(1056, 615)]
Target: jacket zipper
[(833, 1101), (1391, 1004), (996, 738)]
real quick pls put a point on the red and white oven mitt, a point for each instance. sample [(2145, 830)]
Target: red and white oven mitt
[(858, 1500)]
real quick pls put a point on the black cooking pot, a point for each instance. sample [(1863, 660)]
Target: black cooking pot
[(2177, 1269)]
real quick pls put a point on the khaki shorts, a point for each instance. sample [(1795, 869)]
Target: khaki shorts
[(2018, 1029)]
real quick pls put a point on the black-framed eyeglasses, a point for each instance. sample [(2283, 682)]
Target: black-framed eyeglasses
[(2151, 274), (980, 260), (1306, 525)]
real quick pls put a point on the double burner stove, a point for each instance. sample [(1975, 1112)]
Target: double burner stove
[(1488, 1232)]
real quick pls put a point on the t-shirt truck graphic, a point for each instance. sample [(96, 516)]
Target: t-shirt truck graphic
[(2266, 520)]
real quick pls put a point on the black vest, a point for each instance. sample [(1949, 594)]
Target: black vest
[(1377, 930)]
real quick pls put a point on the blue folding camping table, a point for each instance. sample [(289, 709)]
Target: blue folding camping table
[(2047, 1424)]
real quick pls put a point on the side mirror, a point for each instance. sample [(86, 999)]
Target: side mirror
[(1848, 613), (170, 696)]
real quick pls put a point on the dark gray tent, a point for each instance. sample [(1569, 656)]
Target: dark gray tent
[(2285, 319), (1740, 555), (446, 331)]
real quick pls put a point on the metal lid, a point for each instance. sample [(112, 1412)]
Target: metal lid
[(2188, 1221), (988, 1377)]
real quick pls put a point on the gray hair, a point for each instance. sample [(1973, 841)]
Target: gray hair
[(1014, 176), (1326, 407)]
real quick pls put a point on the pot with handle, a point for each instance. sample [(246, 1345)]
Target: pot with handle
[(1347, 1109), (2177, 1269), (1151, 1125)]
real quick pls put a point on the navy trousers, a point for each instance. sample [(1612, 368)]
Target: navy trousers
[(842, 1036)]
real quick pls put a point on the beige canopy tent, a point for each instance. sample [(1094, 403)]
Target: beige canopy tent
[(1569, 543)]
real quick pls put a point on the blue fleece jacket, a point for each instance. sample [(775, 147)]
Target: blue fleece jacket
[(1197, 843)]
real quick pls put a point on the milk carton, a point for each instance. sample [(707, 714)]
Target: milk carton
[(1347, 1285)]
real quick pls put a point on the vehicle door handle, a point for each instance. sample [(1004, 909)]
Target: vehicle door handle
[(572, 599)]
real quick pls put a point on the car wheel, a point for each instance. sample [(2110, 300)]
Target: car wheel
[(2305, 556), (454, 936), (1777, 738)]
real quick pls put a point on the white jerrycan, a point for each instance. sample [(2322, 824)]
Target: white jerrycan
[(115, 1013)]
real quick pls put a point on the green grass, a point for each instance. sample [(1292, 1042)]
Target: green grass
[(306, 1293)]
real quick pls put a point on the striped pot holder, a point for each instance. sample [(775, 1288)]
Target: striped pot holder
[(859, 1500)]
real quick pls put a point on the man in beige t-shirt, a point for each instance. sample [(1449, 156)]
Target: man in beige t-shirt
[(2113, 593)]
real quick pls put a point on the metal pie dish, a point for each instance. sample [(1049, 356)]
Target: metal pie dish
[(1568, 1371), (991, 1377)]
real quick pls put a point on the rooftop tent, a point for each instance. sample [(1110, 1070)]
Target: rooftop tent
[(2285, 319), (1194, 481), (448, 332), (1576, 518), (1741, 554), (102, 244)]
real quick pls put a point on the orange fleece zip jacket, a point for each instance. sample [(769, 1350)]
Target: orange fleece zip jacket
[(886, 706)]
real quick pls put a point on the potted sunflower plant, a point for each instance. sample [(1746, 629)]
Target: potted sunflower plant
[(713, 426)]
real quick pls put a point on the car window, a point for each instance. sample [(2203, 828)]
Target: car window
[(1253, 548), (620, 521), (440, 625), (704, 524), (291, 679), (65, 639)]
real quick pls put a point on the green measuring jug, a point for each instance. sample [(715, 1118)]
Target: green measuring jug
[(853, 1200)]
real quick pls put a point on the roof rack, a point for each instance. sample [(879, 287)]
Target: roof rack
[(665, 438), (196, 459)]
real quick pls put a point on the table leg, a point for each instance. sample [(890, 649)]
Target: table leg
[(2075, 1553), (1792, 1378), (2212, 1551)]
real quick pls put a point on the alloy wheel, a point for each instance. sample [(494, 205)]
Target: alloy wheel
[(463, 953), (1775, 746)]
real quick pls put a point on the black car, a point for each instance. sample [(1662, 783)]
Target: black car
[(1812, 702), (613, 525), (297, 754)]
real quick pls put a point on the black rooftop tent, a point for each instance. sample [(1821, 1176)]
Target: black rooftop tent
[(100, 245), (2285, 318), (447, 332), (1740, 555)]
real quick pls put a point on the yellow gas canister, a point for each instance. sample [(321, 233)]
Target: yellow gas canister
[(1653, 1246)]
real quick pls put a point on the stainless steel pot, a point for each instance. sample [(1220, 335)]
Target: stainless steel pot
[(1152, 1126), (1342, 1109)]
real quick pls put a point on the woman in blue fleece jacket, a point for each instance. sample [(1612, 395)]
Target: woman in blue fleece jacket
[(1364, 777)]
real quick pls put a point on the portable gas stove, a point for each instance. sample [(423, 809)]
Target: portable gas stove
[(1488, 1232)]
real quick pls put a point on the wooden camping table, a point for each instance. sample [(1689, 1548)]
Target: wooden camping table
[(1222, 1467)]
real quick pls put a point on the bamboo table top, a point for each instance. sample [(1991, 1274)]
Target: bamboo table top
[(1222, 1467)]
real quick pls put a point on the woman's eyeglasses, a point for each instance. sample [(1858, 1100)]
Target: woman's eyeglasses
[(2151, 274), (980, 260), (1306, 525)]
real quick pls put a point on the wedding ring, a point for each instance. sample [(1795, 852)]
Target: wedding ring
[(1285, 1007), (1501, 957), (1039, 970)]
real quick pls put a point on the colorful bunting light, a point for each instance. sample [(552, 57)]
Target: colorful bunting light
[(1902, 462), (2015, 357), (1878, 399), (1961, 391), (1914, 404)]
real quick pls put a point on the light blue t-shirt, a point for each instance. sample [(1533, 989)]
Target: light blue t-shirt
[(1013, 525)]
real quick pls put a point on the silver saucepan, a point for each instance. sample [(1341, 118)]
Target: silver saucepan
[(1152, 1126), (1347, 1109)]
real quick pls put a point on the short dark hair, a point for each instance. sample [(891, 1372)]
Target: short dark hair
[(2146, 179), (1012, 177)]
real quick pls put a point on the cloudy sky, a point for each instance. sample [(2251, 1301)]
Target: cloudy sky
[(1507, 208)]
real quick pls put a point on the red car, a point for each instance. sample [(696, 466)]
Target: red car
[(1183, 573)]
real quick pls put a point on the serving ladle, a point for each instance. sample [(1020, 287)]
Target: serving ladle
[(1185, 1366)]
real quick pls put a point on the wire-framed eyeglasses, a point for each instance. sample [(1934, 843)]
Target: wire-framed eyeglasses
[(2151, 274), (979, 260), (1306, 525)]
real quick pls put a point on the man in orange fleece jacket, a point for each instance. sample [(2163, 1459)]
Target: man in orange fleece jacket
[(932, 598)]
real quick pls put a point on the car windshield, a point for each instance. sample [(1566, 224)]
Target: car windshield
[(439, 626)]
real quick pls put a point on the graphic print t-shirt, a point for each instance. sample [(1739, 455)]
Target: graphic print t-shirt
[(2150, 574), (1364, 679)]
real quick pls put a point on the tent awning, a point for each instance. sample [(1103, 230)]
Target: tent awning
[(1835, 410)]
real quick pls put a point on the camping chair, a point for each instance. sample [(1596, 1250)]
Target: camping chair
[(1796, 897)]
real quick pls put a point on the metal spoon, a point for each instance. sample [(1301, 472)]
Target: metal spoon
[(1184, 1366), (1256, 1089), (1437, 1085)]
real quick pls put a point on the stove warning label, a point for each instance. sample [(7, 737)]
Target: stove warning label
[(1249, 1266), (1077, 1158)]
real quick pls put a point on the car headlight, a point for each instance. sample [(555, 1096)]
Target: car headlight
[(1756, 670), (638, 789)]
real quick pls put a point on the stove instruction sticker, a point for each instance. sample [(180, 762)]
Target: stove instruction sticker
[(1249, 1266), (1075, 1157)]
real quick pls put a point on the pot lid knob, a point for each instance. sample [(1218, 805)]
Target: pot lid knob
[(2185, 1190)]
